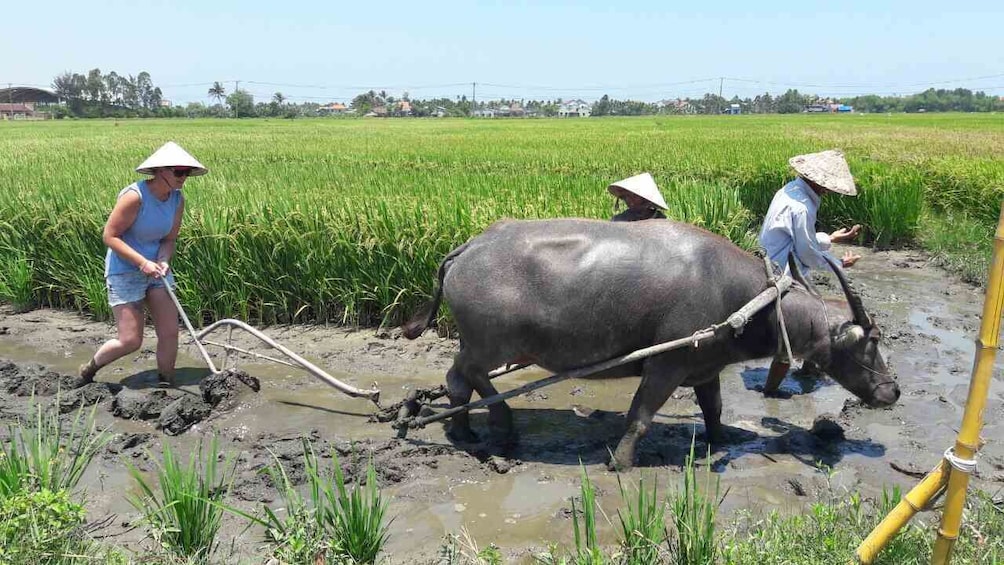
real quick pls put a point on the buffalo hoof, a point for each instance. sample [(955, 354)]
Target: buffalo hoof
[(502, 437), (729, 435), (777, 393), (719, 437), (616, 466), (462, 435)]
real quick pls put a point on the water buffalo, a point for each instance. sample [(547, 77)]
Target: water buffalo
[(567, 293)]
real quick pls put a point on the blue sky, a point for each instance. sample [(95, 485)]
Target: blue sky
[(324, 51)]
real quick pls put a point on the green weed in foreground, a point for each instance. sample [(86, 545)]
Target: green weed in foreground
[(41, 527), (463, 548), (48, 454), (41, 461), (334, 524), (831, 530), (643, 523), (695, 510), (183, 507)]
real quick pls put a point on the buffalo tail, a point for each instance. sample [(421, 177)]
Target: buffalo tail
[(427, 316)]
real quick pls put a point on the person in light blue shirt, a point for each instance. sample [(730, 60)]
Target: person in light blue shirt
[(790, 225), (140, 233)]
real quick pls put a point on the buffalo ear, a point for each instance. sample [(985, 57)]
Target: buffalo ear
[(849, 336)]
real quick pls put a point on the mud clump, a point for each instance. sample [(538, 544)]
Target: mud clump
[(182, 414), (223, 390), (175, 411), (138, 405), (33, 379), (87, 395), (826, 429), (127, 443)]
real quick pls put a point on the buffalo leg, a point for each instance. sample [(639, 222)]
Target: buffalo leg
[(499, 414), (778, 371), (709, 397), (459, 390), (655, 388)]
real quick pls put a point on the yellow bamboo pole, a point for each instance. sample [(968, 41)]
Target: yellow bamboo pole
[(972, 420), (913, 502), (953, 471)]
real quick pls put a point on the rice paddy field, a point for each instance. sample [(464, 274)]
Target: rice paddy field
[(346, 221)]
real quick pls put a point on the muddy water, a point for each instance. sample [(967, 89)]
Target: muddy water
[(520, 499)]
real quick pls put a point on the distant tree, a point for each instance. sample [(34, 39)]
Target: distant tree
[(95, 85), (602, 106), (145, 90), (217, 92), (68, 85), (278, 98), (791, 102), (241, 103)]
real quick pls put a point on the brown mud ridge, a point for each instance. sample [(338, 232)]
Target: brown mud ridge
[(175, 411), (172, 411)]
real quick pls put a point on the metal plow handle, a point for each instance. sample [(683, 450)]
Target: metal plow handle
[(371, 394)]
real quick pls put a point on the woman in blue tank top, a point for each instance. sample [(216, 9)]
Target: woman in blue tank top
[(140, 234)]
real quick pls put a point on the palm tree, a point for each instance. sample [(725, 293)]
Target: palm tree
[(218, 92), (278, 98)]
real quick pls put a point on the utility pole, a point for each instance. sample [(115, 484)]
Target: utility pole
[(237, 99), (10, 98), (474, 98), (721, 82)]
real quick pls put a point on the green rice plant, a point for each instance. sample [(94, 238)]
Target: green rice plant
[(694, 515), (336, 522), (587, 547), (346, 221), (960, 243), (298, 537), (713, 206), (183, 507), (47, 453), (16, 278), (643, 523)]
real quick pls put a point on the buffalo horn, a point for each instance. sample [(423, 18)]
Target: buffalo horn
[(796, 274), (860, 316)]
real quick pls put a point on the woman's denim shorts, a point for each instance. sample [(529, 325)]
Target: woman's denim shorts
[(126, 288)]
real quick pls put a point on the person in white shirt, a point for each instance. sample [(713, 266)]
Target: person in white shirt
[(790, 225)]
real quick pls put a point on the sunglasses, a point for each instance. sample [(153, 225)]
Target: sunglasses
[(179, 173)]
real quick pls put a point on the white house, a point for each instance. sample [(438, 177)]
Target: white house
[(574, 109)]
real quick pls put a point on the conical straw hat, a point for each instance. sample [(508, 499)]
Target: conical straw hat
[(828, 169), (643, 185), (171, 155)]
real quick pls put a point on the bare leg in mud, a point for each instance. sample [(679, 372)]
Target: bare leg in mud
[(129, 321), (165, 323)]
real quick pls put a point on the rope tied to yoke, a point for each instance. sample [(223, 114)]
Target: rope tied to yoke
[(741, 317), (773, 281)]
